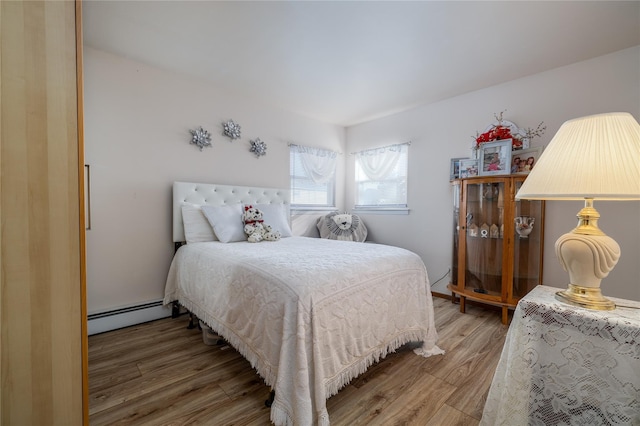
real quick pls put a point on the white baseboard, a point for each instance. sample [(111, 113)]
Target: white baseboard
[(125, 317)]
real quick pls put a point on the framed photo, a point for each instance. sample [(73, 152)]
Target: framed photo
[(523, 160), (454, 172), (468, 167), (495, 158)]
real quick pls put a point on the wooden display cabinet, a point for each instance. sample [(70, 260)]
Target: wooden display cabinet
[(496, 261)]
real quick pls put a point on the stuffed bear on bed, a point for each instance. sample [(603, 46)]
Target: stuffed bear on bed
[(255, 228), (342, 226)]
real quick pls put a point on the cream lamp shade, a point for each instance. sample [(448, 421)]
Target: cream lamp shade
[(590, 158)]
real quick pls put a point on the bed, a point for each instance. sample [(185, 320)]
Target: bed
[(309, 314)]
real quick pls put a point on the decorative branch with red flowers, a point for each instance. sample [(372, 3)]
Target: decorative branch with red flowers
[(500, 131)]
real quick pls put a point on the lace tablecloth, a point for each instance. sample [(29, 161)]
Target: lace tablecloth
[(565, 365)]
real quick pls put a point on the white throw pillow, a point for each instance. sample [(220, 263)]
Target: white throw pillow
[(196, 226), (226, 222), (276, 215)]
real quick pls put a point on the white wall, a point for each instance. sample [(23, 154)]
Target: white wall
[(445, 130), (137, 121)]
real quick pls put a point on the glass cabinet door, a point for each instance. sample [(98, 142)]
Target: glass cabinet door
[(527, 226), (456, 233), (484, 207), (498, 242)]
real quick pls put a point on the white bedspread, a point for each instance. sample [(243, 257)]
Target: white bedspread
[(309, 314)]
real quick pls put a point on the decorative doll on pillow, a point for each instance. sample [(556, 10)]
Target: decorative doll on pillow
[(255, 228), (342, 226)]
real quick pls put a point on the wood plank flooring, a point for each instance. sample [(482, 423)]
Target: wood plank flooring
[(161, 373)]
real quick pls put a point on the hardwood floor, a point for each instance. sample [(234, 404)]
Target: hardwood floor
[(161, 373)]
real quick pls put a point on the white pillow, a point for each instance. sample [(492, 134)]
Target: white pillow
[(226, 222), (196, 226), (276, 215)]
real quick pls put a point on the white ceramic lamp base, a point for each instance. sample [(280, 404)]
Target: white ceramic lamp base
[(588, 259)]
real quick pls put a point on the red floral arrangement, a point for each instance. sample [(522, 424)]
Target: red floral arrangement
[(499, 132)]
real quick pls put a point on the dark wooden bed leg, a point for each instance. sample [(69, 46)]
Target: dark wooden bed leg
[(269, 401), (193, 322), (175, 310)]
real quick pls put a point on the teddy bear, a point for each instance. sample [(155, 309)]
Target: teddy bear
[(270, 234), (255, 228), (342, 226)]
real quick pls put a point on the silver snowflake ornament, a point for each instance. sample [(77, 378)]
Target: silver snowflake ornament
[(200, 137), (258, 147), (231, 130)]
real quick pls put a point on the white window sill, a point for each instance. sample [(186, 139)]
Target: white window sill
[(311, 210), (381, 210)]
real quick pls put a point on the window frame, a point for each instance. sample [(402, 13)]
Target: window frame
[(385, 208), (330, 185)]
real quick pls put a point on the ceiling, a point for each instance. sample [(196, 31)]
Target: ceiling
[(346, 62)]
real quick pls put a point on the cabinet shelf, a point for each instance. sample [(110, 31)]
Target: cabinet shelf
[(492, 263)]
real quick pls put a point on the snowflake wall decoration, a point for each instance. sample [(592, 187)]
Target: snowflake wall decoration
[(200, 137), (231, 130), (258, 147)]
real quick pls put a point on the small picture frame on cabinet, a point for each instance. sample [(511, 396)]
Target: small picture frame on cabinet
[(454, 171), (523, 160), (468, 167), (495, 158)]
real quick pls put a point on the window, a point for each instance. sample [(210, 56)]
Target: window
[(313, 177), (381, 178)]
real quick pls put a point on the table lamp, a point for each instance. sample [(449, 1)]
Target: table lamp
[(590, 158)]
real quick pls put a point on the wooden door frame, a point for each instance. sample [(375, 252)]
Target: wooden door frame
[(82, 215)]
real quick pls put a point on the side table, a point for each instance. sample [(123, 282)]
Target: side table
[(566, 365)]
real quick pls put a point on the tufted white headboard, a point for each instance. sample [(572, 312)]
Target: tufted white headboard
[(217, 195)]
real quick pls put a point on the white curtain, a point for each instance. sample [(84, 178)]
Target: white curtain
[(381, 177), (318, 164), (378, 163)]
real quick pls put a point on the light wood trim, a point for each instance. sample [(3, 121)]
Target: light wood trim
[(2, 361), (83, 225), (441, 295), (40, 263)]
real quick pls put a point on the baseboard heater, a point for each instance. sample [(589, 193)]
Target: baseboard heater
[(124, 317)]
